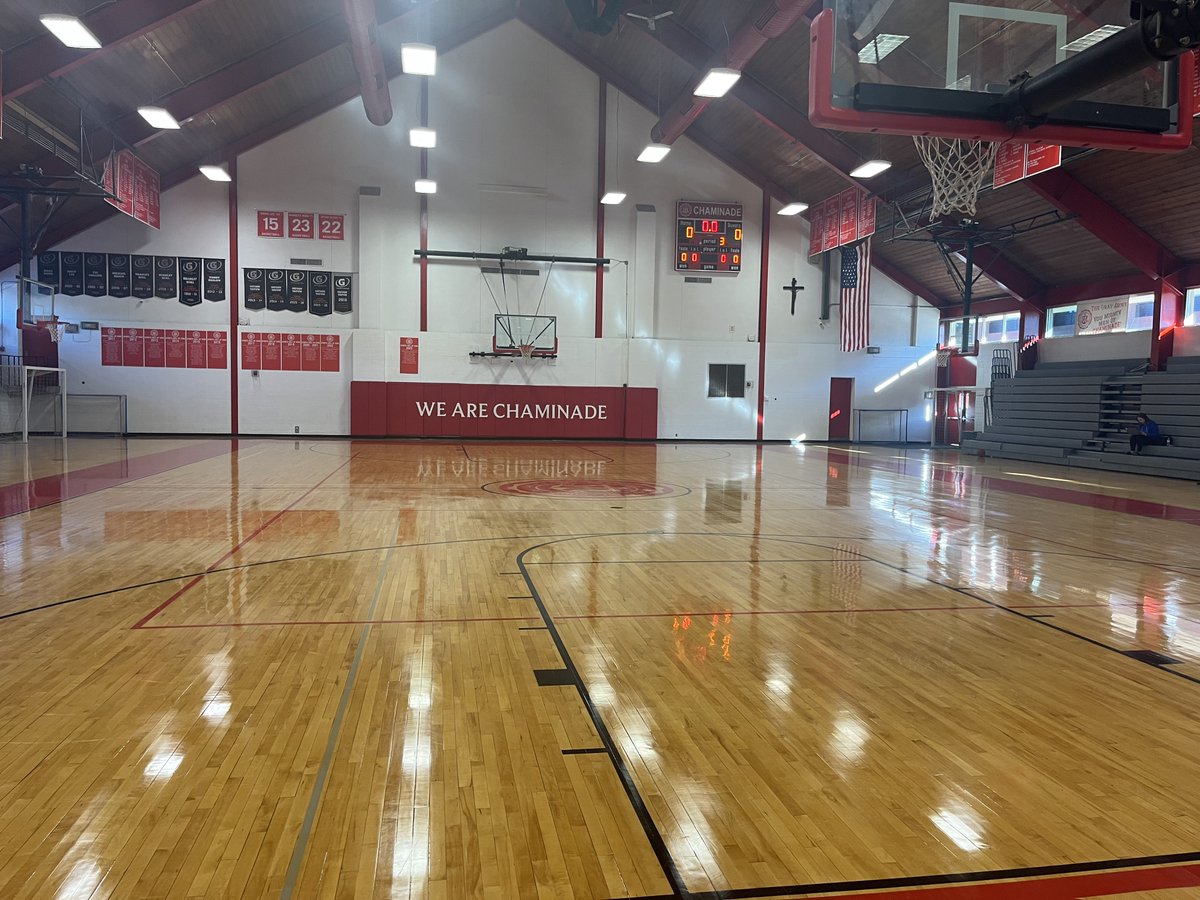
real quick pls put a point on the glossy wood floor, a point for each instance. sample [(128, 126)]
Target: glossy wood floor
[(335, 669)]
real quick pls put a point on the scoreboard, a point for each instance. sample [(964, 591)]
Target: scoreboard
[(708, 237)]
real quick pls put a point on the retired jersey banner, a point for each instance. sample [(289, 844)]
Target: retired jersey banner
[(319, 301), (189, 280), (48, 271), (142, 277), (276, 290), (214, 280), (71, 277), (1101, 316), (254, 290), (297, 291), (343, 289), (118, 274), (166, 277)]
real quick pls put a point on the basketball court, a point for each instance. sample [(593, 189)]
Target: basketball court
[(412, 669)]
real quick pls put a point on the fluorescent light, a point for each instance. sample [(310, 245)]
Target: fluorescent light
[(793, 209), (425, 186), (215, 173), (879, 47), (422, 137), (1095, 37), (871, 168), (158, 117), (717, 82), (654, 153), (71, 31), (612, 198), (418, 59)]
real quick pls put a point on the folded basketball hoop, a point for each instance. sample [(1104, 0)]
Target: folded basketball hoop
[(957, 168)]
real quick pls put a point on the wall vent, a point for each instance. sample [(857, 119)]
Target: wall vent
[(369, 190), (296, 261), (696, 279)]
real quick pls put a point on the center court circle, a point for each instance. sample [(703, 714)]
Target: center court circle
[(587, 489)]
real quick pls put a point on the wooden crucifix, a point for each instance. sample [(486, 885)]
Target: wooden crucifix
[(795, 288)]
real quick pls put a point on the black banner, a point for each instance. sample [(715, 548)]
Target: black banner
[(214, 280), (297, 291), (118, 275), (276, 290), (95, 275), (142, 277), (319, 301), (343, 293), (48, 271), (254, 289), (71, 276), (189, 280), (166, 277)]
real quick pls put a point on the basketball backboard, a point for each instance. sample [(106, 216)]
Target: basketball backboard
[(941, 67), (538, 334)]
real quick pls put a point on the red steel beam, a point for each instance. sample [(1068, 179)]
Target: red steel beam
[(42, 57), (1106, 222), (1009, 276), (368, 60)]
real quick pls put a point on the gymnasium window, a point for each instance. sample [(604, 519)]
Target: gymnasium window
[(1062, 322), (1189, 309), (726, 380), (999, 329), (1141, 312)]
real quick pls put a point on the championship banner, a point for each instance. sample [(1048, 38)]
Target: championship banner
[(189, 281), (214, 280), (166, 277), (297, 291), (833, 222), (142, 277), (48, 271), (343, 287), (319, 301), (848, 216), (71, 277), (1101, 316), (95, 275), (154, 341), (118, 274), (276, 290), (254, 290)]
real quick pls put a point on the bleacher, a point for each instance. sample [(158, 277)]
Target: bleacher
[(1079, 414)]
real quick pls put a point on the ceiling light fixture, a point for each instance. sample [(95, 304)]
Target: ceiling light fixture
[(422, 137), (158, 117), (418, 59), (793, 209), (1092, 38), (871, 168), (613, 198), (425, 186), (215, 173), (71, 31), (717, 82), (653, 153)]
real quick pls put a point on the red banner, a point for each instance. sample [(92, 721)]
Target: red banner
[(271, 352), (310, 352), (290, 353), (331, 226), (866, 215), (155, 340), (411, 408), (300, 225), (251, 359), (136, 187), (176, 349), (157, 348), (197, 349), (270, 223), (816, 229), (331, 353), (133, 350), (218, 350), (832, 216), (1016, 161), (848, 202), (409, 355), (110, 346), (268, 349)]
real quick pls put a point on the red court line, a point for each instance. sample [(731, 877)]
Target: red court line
[(24, 496), (255, 533), (1070, 887)]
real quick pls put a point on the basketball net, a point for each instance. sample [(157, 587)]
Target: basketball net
[(52, 326), (943, 357), (526, 351), (957, 168)]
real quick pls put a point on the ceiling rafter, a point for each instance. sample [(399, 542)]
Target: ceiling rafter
[(29, 64)]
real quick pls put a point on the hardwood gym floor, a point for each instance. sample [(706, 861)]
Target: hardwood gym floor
[(442, 670)]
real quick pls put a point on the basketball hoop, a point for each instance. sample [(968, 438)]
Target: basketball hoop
[(51, 325), (943, 357), (957, 168), (526, 351)]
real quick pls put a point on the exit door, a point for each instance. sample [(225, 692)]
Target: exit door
[(841, 401)]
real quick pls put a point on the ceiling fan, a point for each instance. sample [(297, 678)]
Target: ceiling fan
[(648, 13)]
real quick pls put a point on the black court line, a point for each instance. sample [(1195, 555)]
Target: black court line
[(579, 751), (532, 628), (657, 843), (519, 596)]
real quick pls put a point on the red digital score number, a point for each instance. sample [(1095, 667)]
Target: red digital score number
[(710, 226)]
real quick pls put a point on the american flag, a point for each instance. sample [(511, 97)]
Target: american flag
[(856, 296)]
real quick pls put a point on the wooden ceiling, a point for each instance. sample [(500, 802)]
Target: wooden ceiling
[(238, 73)]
